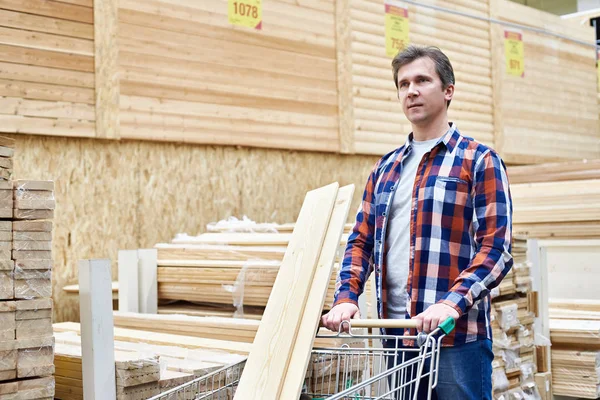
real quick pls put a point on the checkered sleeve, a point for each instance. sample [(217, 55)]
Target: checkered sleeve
[(492, 223), (357, 264)]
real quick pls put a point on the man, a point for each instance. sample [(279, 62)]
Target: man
[(435, 226)]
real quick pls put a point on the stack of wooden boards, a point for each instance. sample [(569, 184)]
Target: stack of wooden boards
[(575, 335), (559, 200), (146, 364), (513, 313), (227, 272), (26, 340)]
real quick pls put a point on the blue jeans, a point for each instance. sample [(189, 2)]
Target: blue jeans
[(465, 372)]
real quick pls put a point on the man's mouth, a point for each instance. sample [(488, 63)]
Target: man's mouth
[(414, 105)]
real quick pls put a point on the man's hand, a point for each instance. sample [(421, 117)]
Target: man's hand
[(339, 313), (429, 319)]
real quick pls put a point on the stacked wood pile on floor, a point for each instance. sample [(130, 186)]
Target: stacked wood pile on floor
[(513, 312), (146, 363), (559, 200), (228, 271), (26, 340), (575, 335)]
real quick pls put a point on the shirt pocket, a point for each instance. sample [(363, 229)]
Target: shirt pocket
[(450, 196)]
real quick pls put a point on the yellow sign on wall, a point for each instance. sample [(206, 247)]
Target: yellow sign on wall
[(246, 13), (514, 53), (396, 29)]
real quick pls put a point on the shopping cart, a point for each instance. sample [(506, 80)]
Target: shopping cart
[(383, 369)]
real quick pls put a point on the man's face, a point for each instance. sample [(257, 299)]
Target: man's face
[(420, 91)]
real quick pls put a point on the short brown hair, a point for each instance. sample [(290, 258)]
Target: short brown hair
[(443, 67)]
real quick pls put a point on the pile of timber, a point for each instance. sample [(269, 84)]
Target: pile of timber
[(513, 313), (138, 360), (230, 329), (26, 340), (228, 271), (575, 336), (557, 200)]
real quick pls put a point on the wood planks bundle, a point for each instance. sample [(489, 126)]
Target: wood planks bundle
[(556, 200), (276, 367), (142, 369), (26, 335), (222, 328), (514, 364), (576, 373), (47, 77), (231, 268), (575, 351), (7, 146), (564, 209)]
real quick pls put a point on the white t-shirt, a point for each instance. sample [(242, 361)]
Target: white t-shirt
[(398, 231)]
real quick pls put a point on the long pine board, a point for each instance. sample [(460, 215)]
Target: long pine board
[(267, 363), (296, 370)]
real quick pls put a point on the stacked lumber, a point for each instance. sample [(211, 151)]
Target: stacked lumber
[(276, 367), (222, 328), (26, 337), (557, 200), (234, 265), (576, 373), (138, 364), (575, 352), (513, 313), (169, 92), (47, 68), (7, 150)]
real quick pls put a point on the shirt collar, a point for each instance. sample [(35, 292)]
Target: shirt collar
[(450, 138)]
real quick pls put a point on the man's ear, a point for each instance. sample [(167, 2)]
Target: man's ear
[(449, 92)]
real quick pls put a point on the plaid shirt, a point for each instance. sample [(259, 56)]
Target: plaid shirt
[(460, 233)]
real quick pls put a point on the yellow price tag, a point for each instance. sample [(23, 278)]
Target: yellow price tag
[(514, 53), (246, 13), (396, 29)]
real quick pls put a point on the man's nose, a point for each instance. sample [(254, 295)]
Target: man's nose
[(412, 90)]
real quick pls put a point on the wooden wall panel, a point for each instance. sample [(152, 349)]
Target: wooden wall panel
[(379, 123), (187, 75), (47, 67), (551, 113)]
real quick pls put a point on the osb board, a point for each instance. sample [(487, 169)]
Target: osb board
[(379, 123), (539, 126), (133, 194), (96, 193), (270, 88)]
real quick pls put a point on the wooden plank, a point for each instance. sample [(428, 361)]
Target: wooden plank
[(46, 41), (134, 336), (46, 58), (50, 8), (148, 287), (128, 272), (106, 68), (267, 363), (301, 354), (32, 226), (97, 337), (47, 126), (42, 91), (31, 73), (38, 23)]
